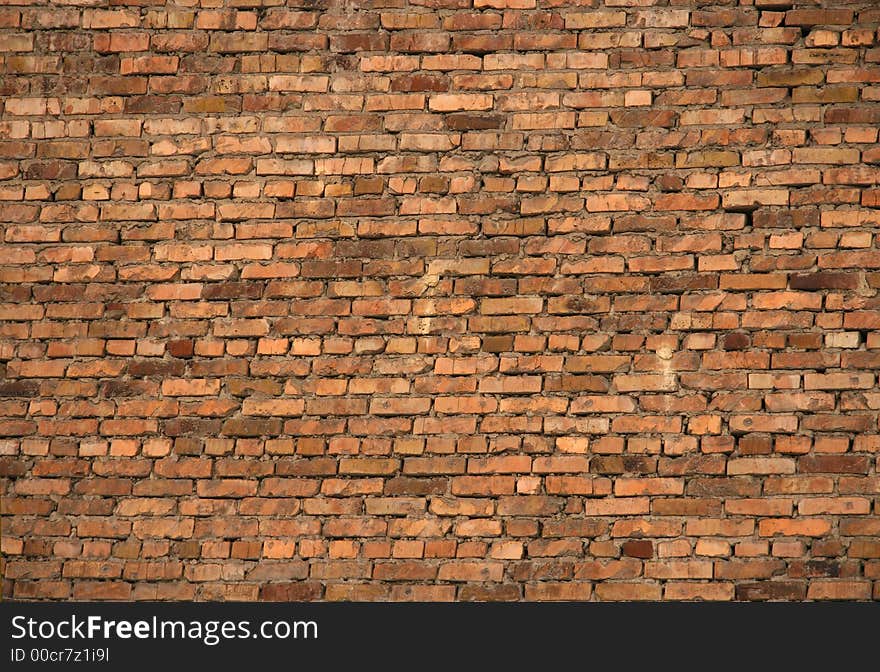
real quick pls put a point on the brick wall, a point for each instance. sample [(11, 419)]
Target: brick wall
[(440, 299)]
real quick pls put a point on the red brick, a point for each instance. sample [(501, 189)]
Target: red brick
[(315, 292)]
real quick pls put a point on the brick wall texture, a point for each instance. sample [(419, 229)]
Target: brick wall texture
[(440, 299)]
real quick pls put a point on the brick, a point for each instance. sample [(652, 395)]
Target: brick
[(597, 19), (812, 17), (629, 591), (789, 527), (398, 304), (839, 590), (832, 381)]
